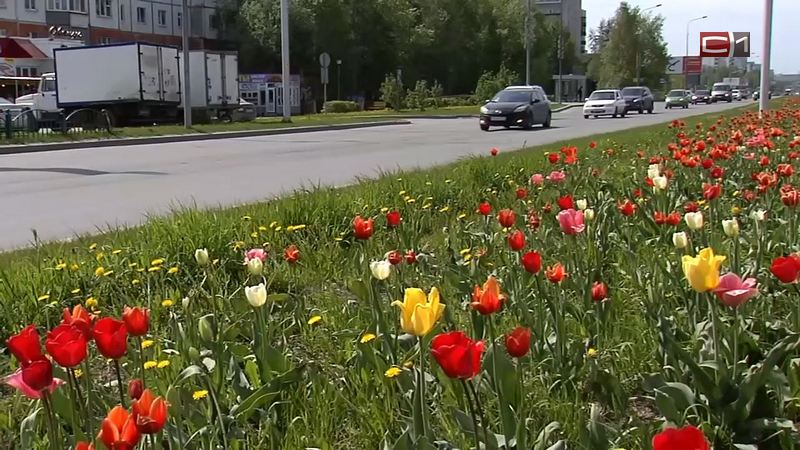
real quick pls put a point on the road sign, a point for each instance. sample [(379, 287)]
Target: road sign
[(324, 60), (675, 65), (323, 75), (692, 65), (735, 82)]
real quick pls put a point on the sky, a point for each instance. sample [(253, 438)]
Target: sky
[(723, 15)]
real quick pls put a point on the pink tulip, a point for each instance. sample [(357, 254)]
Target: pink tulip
[(557, 176), (537, 179), (15, 380), (733, 291), (255, 253), (571, 221)]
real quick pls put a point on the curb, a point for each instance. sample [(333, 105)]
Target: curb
[(566, 107), (31, 148)]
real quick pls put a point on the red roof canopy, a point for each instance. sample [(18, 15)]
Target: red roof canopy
[(19, 48)]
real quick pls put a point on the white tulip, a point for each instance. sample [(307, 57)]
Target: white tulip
[(653, 171), (381, 269), (255, 266), (256, 295), (758, 215), (582, 204), (588, 214), (201, 256), (660, 182), (730, 227), (694, 220), (680, 240)]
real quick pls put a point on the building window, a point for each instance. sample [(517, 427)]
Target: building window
[(178, 17), (105, 40), (212, 21), (3, 32), (162, 17), (3, 4), (78, 6), (30, 5), (27, 72), (141, 14), (103, 8), (122, 12), (33, 35)]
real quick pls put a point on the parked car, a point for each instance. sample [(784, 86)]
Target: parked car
[(722, 92), (701, 96), (638, 98), (604, 102), (246, 112), (678, 98), (787, 91), (522, 106), (736, 94), (757, 95)]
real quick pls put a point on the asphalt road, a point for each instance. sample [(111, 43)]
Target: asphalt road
[(64, 193)]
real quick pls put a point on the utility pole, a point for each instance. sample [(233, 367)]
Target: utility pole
[(527, 43), (187, 100), (686, 75), (285, 75), (559, 89), (763, 100)]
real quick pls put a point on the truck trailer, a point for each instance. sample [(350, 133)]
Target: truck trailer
[(214, 84)]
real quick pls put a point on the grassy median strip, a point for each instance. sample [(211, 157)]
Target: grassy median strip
[(338, 386)]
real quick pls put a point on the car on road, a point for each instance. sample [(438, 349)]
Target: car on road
[(246, 112), (678, 98), (722, 92), (736, 94), (701, 96), (521, 106), (604, 102), (638, 98)]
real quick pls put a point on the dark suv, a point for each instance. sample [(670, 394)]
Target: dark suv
[(638, 98), (516, 106)]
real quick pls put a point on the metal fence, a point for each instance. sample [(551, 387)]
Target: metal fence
[(27, 125)]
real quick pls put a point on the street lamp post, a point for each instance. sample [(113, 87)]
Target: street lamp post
[(763, 100), (686, 75), (285, 75), (639, 49), (187, 97), (338, 79), (527, 43)]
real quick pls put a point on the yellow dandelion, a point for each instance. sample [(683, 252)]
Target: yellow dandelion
[(78, 373), (166, 303), (157, 262), (701, 202), (444, 209), (173, 270), (384, 210), (426, 206), (315, 320), (215, 262), (116, 252), (465, 251), (43, 298), (150, 365), (468, 257), (199, 395), (99, 256), (367, 337), (591, 353), (448, 181), (273, 224), (429, 198), (238, 245), (392, 372), (338, 239), (154, 269), (735, 210), (100, 271), (61, 266), (302, 226), (736, 193), (278, 228), (76, 291), (163, 364), (133, 264), (402, 193), (246, 218), (462, 216), (408, 364), (411, 200), (428, 183), (91, 302), (93, 246), (135, 282), (74, 267), (254, 234), (147, 343)]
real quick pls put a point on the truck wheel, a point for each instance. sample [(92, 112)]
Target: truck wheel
[(225, 118)]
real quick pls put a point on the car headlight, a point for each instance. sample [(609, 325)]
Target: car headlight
[(484, 110), (520, 108), (635, 100)]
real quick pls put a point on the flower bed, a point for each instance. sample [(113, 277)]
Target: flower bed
[(632, 291)]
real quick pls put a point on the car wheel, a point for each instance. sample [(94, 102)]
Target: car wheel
[(614, 115), (546, 123), (528, 123), (507, 127), (641, 110), (484, 127), (650, 110)]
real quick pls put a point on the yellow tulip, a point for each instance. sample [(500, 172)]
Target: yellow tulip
[(418, 314), (702, 271)]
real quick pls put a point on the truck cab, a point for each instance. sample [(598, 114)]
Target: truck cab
[(43, 101)]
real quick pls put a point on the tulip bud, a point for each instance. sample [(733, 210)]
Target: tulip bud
[(694, 220), (194, 354), (653, 171), (680, 240), (206, 329), (730, 227), (588, 214), (135, 388), (582, 204), (256, 295), (381, 269), (255, 266), (201, 256), (185, 302), (758, 215), (660, 183)]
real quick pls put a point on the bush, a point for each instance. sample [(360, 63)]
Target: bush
[(416, 98), (392, 92), (491, 83), (462, 100), (340, 106)]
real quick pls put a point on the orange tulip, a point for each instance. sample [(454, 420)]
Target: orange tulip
[(150, 413), (555, 273), (118, 430), (489, 299)]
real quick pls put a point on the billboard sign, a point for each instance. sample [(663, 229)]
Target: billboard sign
[(675, 65), (724, 44), (692, 65)]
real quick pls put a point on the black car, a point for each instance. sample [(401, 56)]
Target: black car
[(638, 98), (701, 97), (516, 106)]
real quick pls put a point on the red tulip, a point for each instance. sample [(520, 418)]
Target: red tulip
[(81, 318), (521, 193), (553, 158), (411, 257), (691, 207), (118, 430), (532, 262), (38, 374), (25, 346), (135, 388), (707, 163), (627, 207), (555, 273), (717, 172), (674, 218), (533, 220), (394, 257), (785, 170), (67, 345), (764, 161), (507, 218), (484, 209), (518, 342), (790, 197), (686, 438), (494, 151), (150, 413), (786, 268), (516, 240), (83, 445), (488, 299), (137, 320), (565, 202), (362, 228), (111, 337), (291, 254), (599, 291), (457, 355), (393, 219), (593, 144), (711, 191), (659, 217)]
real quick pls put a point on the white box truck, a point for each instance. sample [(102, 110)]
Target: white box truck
[(214, 83), (132, 82)]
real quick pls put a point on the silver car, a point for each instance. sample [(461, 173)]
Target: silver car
[(604, 102), (246, 112)]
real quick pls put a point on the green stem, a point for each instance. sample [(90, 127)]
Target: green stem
[(521, 429), (715, 335), (474, 417), (479, 406), (52, 432), (119, 383), (74, 404), (496, 379), (218, 413), (141, 360), (735, 329), (421, 386)]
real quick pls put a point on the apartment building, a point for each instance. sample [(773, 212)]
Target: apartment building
[(572, 17)]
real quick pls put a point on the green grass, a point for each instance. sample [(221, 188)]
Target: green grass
[(343, 400)]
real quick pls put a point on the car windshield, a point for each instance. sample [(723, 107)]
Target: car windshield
[(701, 93), (676, 94), (602, 95), (49, 85), (722, 87), (632, 91), (512, 97)]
